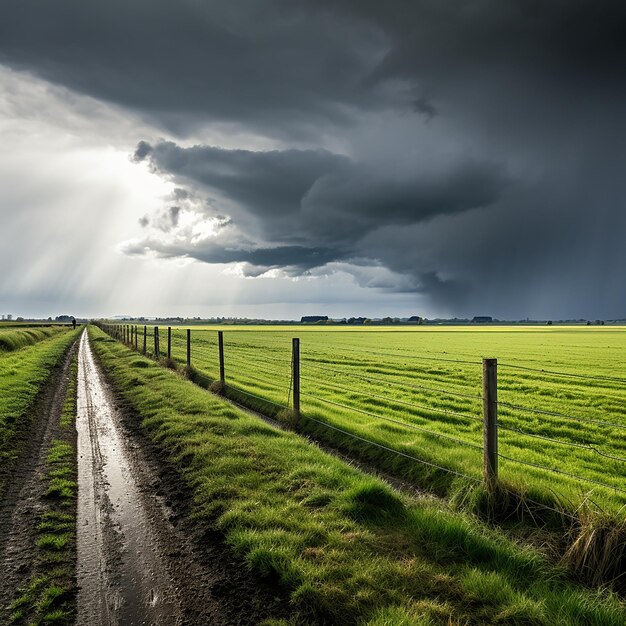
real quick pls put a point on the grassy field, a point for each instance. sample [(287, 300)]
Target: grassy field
[(15, 338), (348, 548), (22, 373), (417, 390)]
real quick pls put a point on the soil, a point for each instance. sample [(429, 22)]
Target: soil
[(23, 500), (140, 558)]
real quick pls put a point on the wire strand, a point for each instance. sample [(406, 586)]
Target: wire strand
[(389, 419), (555, 373), (408, 356), (402, 402), (563, 473), (395, 383), (585, 446), (563, 415), (398, 452)]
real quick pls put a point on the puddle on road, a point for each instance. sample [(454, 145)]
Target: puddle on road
[(122, 576)]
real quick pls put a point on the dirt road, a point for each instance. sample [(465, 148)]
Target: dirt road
[(138, 560), (123, 572), (23, 502)]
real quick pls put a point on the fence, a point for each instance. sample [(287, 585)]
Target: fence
[(491, 423)]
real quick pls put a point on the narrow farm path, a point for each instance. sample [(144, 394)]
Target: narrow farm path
[(122, 571), (138, 561), (22, 503)]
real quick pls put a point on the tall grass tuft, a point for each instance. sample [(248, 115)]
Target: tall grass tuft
[(597, 550)]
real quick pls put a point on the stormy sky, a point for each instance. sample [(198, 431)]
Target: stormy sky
[(285, 157)]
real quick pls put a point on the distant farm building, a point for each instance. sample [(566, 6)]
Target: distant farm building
[(313, 319), (482, 319)]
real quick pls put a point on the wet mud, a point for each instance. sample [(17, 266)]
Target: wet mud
[(140, 559)]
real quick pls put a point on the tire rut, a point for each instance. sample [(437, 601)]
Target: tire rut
[(23, 499)]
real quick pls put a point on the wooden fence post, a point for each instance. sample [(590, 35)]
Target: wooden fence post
[(136, 339), (189, 347), (169, 342), (295, 358), (490, 416), (157, 347), (145, 339), (220, 347)]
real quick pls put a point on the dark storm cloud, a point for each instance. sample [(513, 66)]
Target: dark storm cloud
[(296, 259), (270, 65), (319, 198), (521, 207)]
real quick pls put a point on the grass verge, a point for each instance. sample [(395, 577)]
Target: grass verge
[(23, 373), (49, 598), (12, 339), (347, 548)]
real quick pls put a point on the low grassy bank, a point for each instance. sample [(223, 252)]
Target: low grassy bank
[(49, 598), (22, 374), (347, 548), (15, 338)]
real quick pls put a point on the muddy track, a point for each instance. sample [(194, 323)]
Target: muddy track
[(24, 497), (140, 559)]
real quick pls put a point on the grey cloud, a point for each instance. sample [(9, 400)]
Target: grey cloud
[(297, 259), (272, 65), (320, 198), (519, 208)]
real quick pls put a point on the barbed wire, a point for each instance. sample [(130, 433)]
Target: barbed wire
[(572, 444), (562, 472), (228, 358), (254, 395), (396, 355), (583, 420), (265, 356), (246, 376), (370, 378), (392, 401), (394, 421), (556, 373), (398, 452)]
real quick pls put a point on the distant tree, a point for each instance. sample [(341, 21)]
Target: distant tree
[(549, 322)]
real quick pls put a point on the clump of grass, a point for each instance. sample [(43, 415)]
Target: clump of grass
[(374, 503), (141, 363), (217, 387), (169, 363), (597, 547), (287, 417)]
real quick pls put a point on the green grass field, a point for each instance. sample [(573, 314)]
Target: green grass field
[(418, 390), (348, 548), (23, 371), (15, 338)]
